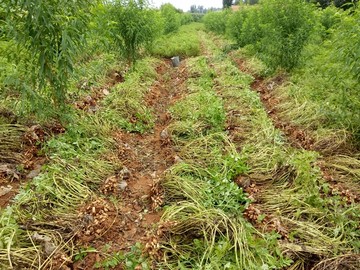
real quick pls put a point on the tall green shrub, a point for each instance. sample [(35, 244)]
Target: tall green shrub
[(216, 21), (330, 76), (277, 30), (345, 4), (227, 3), (347, 44), (344, 69), (252, 30), (329, 17), (338, 63), (186, 18), (286, 25), (244, 26), (234, 26), (133, 26), (100, 30), (171, 17), (48, 35)]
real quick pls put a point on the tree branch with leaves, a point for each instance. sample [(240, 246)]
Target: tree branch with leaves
[(51, 33)]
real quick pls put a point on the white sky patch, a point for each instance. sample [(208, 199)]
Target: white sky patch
[(185, 4)]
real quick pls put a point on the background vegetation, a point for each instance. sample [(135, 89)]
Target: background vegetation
[(46, 37), (316, 46)]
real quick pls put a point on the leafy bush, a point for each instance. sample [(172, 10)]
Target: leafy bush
[(50, 33), (347, 45), (186, 18), (99, 36), (329, 17), (197, 17), (345, 4), (331, 76), (244, 26), (277, 29), (286, 27), (133, 27), (252, 31), (171, 17), (5, 65), (2, 18), (216, 21), (281, 33)]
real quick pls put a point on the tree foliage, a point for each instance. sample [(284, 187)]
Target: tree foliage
[(338, 3), (2, 18), (171, 16), (251, 2), (133, 26), (347, 44), (50, 32), (216, 21), (277, 29), (286, 26), (330, 75)]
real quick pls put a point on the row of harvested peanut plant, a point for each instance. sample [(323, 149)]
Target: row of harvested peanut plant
[(263, 120)]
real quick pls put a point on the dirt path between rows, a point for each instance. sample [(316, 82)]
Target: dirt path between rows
[(145, 157)]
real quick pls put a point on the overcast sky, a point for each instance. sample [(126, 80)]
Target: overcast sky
[(185, 4)]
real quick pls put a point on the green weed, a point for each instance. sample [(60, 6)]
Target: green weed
[(133, 27), (131, 260), (50, 33), (204, 205), (82, 253), (201, 112), (79, 160), (276, 31), (171, 18), (201, 107), (331, 89), (219, 241)]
